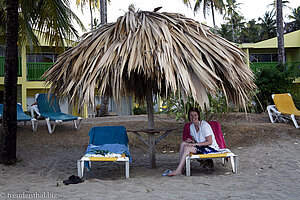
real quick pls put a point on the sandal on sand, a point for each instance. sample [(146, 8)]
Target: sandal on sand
[(73, 180), (171, 174), (167, 172)]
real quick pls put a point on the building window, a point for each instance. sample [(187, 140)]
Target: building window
[(2, 50), (264, 57), (41, 57)]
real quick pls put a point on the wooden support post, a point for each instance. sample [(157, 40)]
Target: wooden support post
[(150, 108), (152, 150)]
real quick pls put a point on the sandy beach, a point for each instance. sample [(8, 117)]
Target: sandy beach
[(269, 163)]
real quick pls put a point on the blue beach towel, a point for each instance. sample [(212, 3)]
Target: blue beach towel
[(106, 149), (108, 139)]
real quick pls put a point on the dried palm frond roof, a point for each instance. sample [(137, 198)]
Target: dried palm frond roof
[(166, 51)]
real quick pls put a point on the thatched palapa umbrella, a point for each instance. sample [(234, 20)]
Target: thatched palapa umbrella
[(145, 53)]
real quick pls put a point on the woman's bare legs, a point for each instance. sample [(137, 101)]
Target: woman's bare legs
[(181, 150), (183, 145), (187, 150)]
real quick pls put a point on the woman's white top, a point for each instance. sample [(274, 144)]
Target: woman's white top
[(204, 131)]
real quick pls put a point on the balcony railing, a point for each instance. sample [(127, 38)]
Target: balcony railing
[(2, 61), (36, 70)]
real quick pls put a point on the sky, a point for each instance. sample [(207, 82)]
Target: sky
[(250, 9)]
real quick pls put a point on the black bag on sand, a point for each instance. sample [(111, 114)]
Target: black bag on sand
[(73, 180)]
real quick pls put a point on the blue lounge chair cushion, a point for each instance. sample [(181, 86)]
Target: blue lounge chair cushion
[(21, 116), (1, 110), (46, 105), (49, 108), (100, 135)]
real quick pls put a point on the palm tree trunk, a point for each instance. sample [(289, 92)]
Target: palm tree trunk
[(213, 14), (103, 11), (91, 11), (232, 27), (9, 124), (104, 106), (280, 36), (103, 20)]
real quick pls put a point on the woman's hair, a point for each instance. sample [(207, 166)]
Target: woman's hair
[(193, 109)]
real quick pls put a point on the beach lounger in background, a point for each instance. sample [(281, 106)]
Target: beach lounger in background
[(284, 106), (107, 143), (50, 110), (223, 153), (22, 117)]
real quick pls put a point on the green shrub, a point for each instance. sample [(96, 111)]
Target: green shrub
[(272, 80), (296, 94), (139, 110), (218, 104), (176, 106)]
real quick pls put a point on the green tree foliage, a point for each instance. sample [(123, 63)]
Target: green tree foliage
[(225, 31), (272, 80), (254, 30), (51, 20), (139, 109), (295, 24), (92, 5), (249, 32), (238, 28), (207, 6), (267, 26), (175, 105), (284, 5), (233, 15)]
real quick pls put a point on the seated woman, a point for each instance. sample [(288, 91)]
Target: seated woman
[(201, 135), (34, 109)]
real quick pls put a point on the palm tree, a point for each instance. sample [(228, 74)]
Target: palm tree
[(250, 31), (103, 11), (92, 5), (208, 5), (225, 31), (52, 20), (104, 98), (238, 25), (277, 6), (9, 124), (232, 15), (295, 16), (280, 37), (267, 26), (284, 5), (103, 20)]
